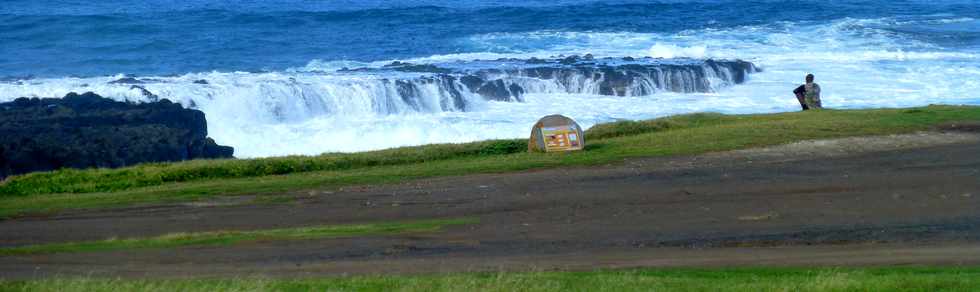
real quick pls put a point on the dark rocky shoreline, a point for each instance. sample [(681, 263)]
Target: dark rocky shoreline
[(507, 79), (462, 86), (87, 130)]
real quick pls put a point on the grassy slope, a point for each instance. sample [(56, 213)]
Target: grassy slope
[(753, 279), (232, 237), (690, 134)]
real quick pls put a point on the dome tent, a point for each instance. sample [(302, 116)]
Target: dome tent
[(555, 133)]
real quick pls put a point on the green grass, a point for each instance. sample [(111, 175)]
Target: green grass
[(729, 279), (152, 174), (106, 180), (232, 237), (679, 135)]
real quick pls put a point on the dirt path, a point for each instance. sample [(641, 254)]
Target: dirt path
[(910, 199)]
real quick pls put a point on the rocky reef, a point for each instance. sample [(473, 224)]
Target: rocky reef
[(446, 86), (510, 79), (87, 130)]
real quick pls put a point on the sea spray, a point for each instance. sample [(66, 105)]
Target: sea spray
[(272, 86)]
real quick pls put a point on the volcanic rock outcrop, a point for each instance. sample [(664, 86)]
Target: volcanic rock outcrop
[(510, 79), (87, 130)]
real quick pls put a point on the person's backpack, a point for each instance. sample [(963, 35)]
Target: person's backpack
[(800, 92)]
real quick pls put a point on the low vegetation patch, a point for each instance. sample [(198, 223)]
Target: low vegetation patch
[(629, 128), (606, 143), (105, 180), (232, 237), (152, 174), (739, 279)]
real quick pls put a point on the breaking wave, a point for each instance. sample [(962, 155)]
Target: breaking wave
[(338, 105)]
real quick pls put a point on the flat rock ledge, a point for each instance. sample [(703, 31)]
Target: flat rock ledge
[(90, 131)]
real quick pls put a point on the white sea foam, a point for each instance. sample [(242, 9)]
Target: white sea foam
[(660, 50), (859, 63)]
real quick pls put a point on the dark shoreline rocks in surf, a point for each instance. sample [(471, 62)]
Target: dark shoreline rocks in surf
[(510, 79), (87, 130), (461, 86)]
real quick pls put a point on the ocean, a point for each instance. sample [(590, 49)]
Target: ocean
[(307, 77)]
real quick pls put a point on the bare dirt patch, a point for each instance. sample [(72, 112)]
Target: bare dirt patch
[(904, 199)]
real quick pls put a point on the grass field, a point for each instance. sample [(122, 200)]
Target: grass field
[(232, 237), (57, 191), (728, 279)]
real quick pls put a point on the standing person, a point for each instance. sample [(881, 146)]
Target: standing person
[(808, 94), (811, 93)]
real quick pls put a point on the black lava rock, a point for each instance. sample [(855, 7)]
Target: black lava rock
[(534, 60), (409, 67), (569, 60), (87, 130), (126, 80), (146, 93), (503, 79)]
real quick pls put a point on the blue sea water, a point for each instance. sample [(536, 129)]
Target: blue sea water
[(281, 55)]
